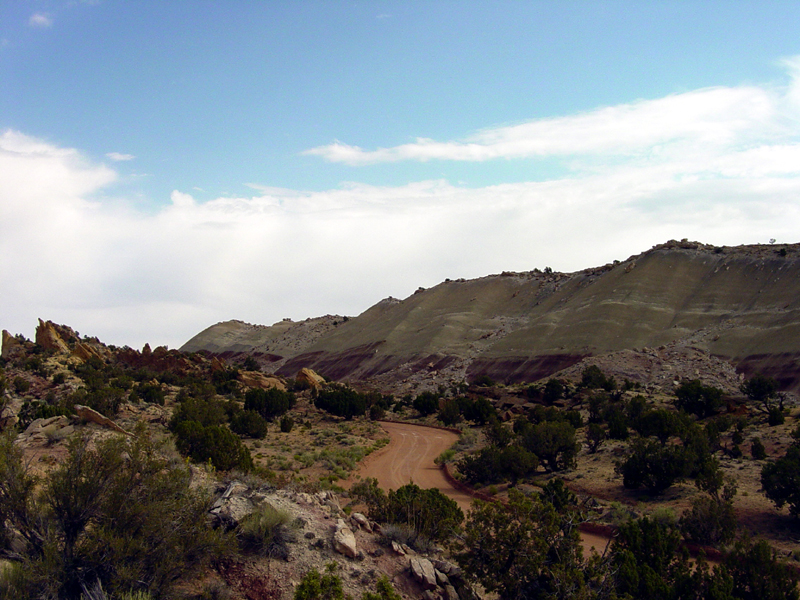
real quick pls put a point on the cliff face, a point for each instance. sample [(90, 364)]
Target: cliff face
[(740, 303)]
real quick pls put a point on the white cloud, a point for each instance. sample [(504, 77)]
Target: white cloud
[(710, 120), (41, 20), (117, 157), (719, 165)]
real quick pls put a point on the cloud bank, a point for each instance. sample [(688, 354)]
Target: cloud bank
[(718, 165)]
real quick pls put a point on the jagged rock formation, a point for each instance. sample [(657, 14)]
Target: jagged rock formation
[(740, 304)]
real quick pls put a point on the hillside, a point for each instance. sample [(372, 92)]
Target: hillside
[(739, 304)]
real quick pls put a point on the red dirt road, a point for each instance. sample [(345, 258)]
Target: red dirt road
[(409, 457)]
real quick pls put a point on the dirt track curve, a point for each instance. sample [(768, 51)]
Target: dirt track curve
[(410, 456)]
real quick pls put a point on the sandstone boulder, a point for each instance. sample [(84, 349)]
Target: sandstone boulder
[(361, 521), (257, 379), (423, 571), (344, 540), (310, 377), (92, 415)]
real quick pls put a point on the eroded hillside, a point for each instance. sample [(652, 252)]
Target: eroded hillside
[(740, 304)]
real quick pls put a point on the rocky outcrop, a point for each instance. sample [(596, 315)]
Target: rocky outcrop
[(89, 414), (256, 379), (45, 431), (344, 541), (310, 378), (11, 345), (48, 338), (423, 571), (85, 352)]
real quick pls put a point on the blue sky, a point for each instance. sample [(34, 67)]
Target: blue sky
[(167, 165)]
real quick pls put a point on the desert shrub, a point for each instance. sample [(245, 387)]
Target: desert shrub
[(659, 423), (286, 424), (757, 449), (595, 436), (267, 532), (650, 561), (710, 521), (341, 401), (525, 549), (120, 516), (151, 393), (385, 591), (479, 411), (653, 465), (426, 403), (553, 391), (780, 480), (484, 381), (215, 444), (250, 424), (21, 385), (225, 381), (775, 416), (760, 389), (427, 512), (269, 403), (698, 399), (498, 434), (753, 571), (450, 412), (554, 443), (58, 379), (105, 400), (593, 378), (493, 464), (205, 412), (314, 586)]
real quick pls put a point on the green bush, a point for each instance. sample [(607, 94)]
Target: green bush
[(266, 531), (757, 449), (21, 385), (215, 444), (428, 512), (120, 514), (780, 480), (595, 436), (426, 403), (150, 393), (287, 424), (269, 403), (593, 378), (554, 443), (450, 412), (314, 586), (494, 465), (250, 424), (653, 465), (341, 401), (698, 399)]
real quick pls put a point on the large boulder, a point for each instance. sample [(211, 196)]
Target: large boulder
[(423, 571), (89, 414), (256, 379), (233, 506), (310, 378), (344, 540)]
